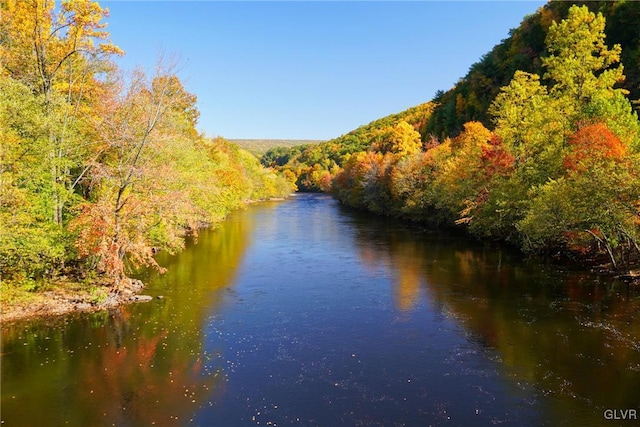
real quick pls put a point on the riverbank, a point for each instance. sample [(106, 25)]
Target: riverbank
[(68, 294), (64, 296), (486, 316)]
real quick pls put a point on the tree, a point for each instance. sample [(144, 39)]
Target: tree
[(57, 54), (95, 169), (526, 120), (584, 75), (593, 144), (134, 208), (598, 207), (579, 62), (459, 182), (563, 160), (401, 139), (31, 245)]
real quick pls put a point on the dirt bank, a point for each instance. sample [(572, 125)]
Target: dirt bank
[(64, 297)]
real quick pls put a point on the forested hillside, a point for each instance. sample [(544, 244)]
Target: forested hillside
[(525, 50), (312, 167), (553, 165), (100, 171)]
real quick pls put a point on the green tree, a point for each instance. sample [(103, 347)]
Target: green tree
[(580, 65), (585, 74), (30, 243), (526, 119)]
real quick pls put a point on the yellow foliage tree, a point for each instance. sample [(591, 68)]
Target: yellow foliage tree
[(402, 139)]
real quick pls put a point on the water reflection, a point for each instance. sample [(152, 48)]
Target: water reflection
[(303, 313), (139, 365), (572, 334)]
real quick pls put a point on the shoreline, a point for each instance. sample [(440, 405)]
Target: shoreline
[(64, 298), (68, 297)]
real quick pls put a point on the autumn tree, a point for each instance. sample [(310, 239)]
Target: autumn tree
[(96, 170), (593, 144), (580, 64), (459, 184), (410, 177), (401, 139), (595, 202), (57, 53), (582, 74), (158, 180), (49, 61), (364, 181), (133, 207), (414, 188), (30, 243)]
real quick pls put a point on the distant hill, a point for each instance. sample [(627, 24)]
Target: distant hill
[(312, 165), (261, 146)]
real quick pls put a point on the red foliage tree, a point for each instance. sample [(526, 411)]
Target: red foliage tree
[(496, 160)]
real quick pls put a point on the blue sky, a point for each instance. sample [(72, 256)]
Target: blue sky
[(310, 70)]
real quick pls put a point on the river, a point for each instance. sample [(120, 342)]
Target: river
[(301, 312)]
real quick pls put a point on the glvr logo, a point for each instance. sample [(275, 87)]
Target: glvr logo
[(620, 414)]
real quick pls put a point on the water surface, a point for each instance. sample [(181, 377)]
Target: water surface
[(304, 313)]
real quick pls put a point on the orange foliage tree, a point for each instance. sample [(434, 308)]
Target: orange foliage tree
[(592, 143), (133, 206)]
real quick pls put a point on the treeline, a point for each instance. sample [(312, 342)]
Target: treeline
[(99, 172), (525, 50), (558, 169), (312, 167), (259, 147)]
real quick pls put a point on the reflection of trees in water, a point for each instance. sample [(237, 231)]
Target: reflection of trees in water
[(150, 378), (571, 333), (211, 260), (137, 365)]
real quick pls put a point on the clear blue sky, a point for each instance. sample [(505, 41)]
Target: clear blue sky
[(310, 70)]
